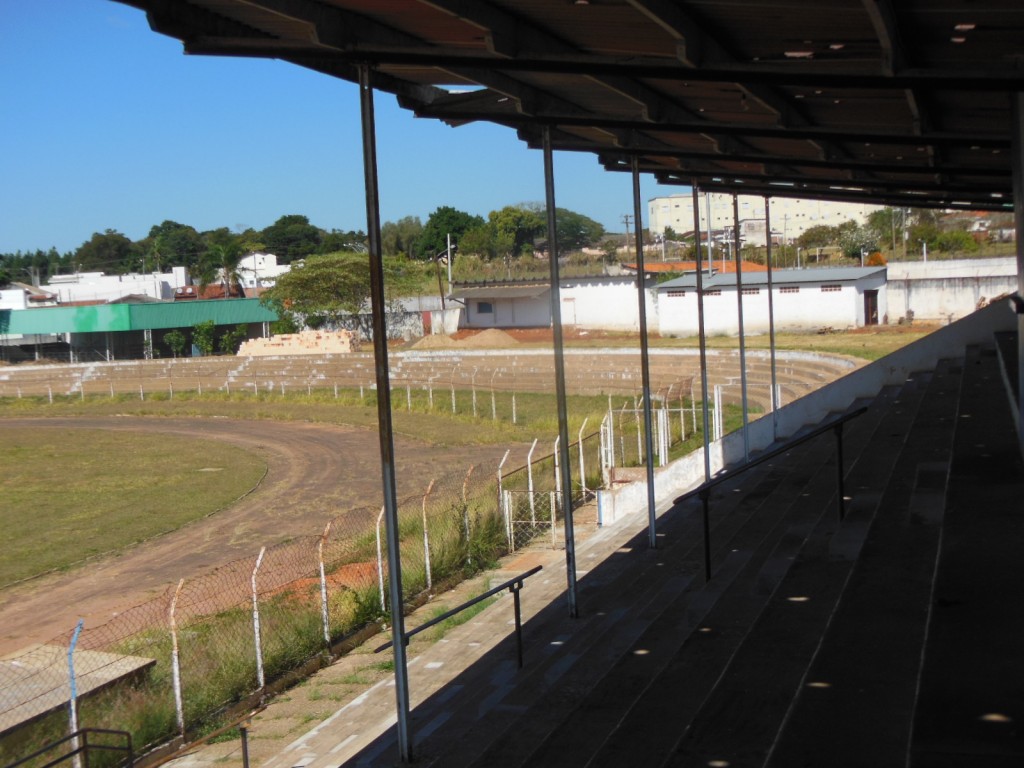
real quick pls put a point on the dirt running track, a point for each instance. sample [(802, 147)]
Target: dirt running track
[(315, 472)]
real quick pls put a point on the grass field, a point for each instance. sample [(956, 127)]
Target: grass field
[(58, 485)]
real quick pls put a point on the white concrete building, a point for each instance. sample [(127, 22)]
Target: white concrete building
[(504, 305), (790, 217), (803, 300), (100, 288), (259, 271)]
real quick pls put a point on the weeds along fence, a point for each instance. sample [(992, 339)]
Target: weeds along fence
[(172, 667)]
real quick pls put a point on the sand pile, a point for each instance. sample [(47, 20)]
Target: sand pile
[(492, 337), (436, 342)]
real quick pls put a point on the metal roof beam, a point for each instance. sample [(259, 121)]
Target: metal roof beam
[(715, 129), (867, 166)]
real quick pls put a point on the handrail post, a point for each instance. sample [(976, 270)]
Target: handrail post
[(514, 589), (705, 495), (840, 494)]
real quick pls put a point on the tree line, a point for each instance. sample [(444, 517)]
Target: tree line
[(511, 232)]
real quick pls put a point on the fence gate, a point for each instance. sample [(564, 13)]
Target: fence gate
[(531, 515)]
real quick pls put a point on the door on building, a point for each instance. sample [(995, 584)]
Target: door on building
[(870, 307)]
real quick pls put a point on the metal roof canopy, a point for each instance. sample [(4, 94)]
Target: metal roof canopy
[(903, 103), (500, 291)]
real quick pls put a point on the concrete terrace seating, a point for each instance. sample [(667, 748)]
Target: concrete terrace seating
[(893, 637), (590, 372)]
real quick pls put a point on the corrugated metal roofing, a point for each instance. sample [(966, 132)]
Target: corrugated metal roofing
[(780, 277), (101, 318), (501, 292)]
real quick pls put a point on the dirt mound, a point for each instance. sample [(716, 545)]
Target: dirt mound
[(492, 337), (436, 342)]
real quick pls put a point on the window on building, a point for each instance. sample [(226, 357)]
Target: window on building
[(484, 308), (713, 292), (751, 291), (831, 288), (676, 292), (789, 289)]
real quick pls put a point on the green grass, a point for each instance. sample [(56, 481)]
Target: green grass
[(75, 494)]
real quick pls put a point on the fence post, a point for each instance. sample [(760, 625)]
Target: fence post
[(719, 423), (179, 705), (465, 512), (408, 398), (529, 480), (514, 361), (256, 622), (452, 382), (472, 384), (426, 536), (583, 471), (622, 432), (506, 505), (501, 498), (555, 455), (323, 586), (494, 404), (637, 405), (49, 389), (380, 562), (73, 698), (552, 500)]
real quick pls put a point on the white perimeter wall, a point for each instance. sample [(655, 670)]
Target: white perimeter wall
[(607, 306), (947, 290)]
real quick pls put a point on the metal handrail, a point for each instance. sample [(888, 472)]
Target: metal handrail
[(513, 585), (704, 489), (83, 748)]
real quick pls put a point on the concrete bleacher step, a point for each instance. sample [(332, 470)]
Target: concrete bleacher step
[(652, 726), (846, 701), (746, 553), (612, 618), (502, 751), (969, 706)]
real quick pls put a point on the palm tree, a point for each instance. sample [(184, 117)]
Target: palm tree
[(224, 260)]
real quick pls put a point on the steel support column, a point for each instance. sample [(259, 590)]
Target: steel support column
[(1018, 212), (565, 466), (739, 317), (771, 317), (645, 370), (384, 426), (702, 338)]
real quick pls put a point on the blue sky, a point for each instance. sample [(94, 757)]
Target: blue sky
[(108, 125)]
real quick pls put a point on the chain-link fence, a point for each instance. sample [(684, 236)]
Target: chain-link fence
[(171, 666)]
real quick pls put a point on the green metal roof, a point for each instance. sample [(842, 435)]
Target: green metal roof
[(101, 318)]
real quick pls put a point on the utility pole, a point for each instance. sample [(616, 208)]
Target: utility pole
[(626, 219)]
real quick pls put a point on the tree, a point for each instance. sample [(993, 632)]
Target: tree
[(400, 237), (175, 243), (291, 237), (222, 261), (856, 240), (576, 231), (176, 342), (204, 336), (332, 290), (336, 240), (517, 226), (109, 251), (232, 339), (441, 223), (818, 236)]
